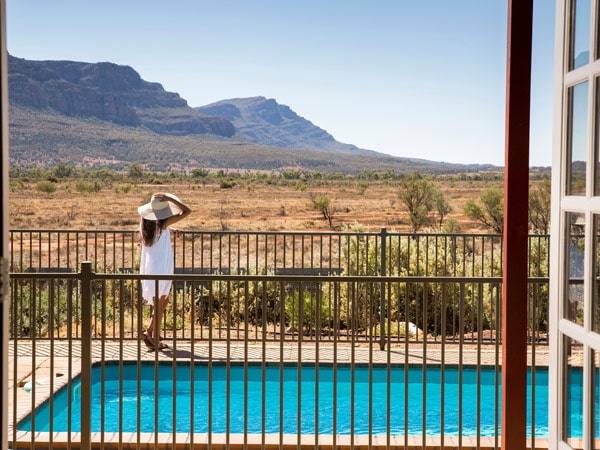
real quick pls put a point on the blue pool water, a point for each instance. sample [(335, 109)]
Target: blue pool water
[(419, 415)]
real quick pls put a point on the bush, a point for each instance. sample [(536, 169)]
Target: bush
[(63, 170), (124, 188), (86, 187), (291, 174), (43, 308), (46, 186), (227, 184), (433, 307), (315, 310), (135, 171), (362, 187), (254, 302), (200, 173)]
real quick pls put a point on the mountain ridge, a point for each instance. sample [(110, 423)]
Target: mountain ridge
[(107, 91), (106, 115), (264, 121)]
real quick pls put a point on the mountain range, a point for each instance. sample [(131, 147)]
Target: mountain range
[(264, 121), (104, 114), (108, 92)]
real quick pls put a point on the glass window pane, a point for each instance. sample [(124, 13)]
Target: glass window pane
[(575, 266), (580, 33), (577, 139), (572, 430)]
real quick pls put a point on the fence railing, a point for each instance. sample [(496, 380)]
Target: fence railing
[(257, 359), (420, 308), (279, 253), (289, 339)]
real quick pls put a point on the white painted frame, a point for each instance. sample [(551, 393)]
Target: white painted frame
[(561, 205)]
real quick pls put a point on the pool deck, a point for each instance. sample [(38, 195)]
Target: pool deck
[(63, 359)]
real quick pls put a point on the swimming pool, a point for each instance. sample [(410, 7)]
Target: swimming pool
[(420, 414)]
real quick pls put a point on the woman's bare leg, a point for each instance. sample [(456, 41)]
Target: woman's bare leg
[(162, 305), (158, 310)]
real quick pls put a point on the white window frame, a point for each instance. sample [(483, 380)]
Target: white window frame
[(561, 205)]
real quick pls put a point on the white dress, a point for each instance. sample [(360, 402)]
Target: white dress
[(157, 259)]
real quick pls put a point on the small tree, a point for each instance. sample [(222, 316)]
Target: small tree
[(417, 195), (451, 226), (441, 206), (322, 203), (539, 207), (63, 170), (489, 210), (135, 170), (200, 173)]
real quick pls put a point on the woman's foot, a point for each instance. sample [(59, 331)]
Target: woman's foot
[(148, 340), (151, 344)]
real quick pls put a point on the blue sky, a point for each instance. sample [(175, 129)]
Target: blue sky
[(421, 79)]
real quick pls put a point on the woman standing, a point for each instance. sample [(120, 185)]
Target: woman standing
[(157, 256)]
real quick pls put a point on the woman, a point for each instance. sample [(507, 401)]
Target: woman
[(157, 256)]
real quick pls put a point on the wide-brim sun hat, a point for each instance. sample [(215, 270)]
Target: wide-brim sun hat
[(159, 209)]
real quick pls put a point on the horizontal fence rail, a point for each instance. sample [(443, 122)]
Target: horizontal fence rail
[(406, 360)]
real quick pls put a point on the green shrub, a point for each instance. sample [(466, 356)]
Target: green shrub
[(46, 186), (125, 188), (43, 307), (433, 307), (311, 312), (88, 187), (362, 187), (538, 267), (135, 171), (253, 302), (50, 306), (227, 184), (200, 173)]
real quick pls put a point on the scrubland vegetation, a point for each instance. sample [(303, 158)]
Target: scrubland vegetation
[(68, 197)]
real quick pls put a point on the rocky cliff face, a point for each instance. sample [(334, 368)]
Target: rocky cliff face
[(266, 122), (108, 92)]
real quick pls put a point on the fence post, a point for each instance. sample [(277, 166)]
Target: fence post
[(382, 273), (86, 354)]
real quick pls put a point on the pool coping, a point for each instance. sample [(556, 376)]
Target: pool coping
[(268, 441)]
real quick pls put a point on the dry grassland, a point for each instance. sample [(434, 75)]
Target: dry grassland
[(285, 206)]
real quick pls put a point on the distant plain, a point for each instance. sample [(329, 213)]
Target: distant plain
[(244, 205)]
